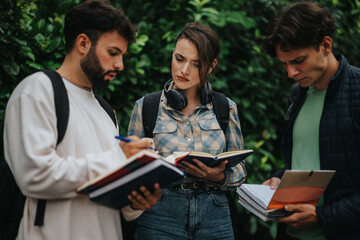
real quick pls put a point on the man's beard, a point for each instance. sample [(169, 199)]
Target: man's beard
[(91, 66)]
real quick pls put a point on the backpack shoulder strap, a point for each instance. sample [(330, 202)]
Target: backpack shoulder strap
[(221, 109), (149, 112), (151, 106), (107, 107), (61, 102)]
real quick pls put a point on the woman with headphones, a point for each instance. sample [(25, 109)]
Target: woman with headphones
[(196, 207)]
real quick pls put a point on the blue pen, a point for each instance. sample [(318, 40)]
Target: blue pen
[(125, 139)]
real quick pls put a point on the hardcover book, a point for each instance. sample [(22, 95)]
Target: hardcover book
[(143, 169), (233, 157)]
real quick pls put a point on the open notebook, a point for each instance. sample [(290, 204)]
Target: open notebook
[(296, 187)]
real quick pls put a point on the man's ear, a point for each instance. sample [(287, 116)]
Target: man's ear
[(82, 44), (326, 45)]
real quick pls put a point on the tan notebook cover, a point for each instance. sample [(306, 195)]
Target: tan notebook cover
[(300, 187)]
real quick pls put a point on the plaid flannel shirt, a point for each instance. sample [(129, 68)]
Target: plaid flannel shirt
[(199, 132)]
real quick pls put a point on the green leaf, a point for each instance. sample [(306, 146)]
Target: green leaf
[(11, 67), (140, 71), (50, 28), (18, 41), (54, 44), (142, 39), (164, 70), (257, 49), (35, 65), (41, 23), (210, 10), (27, 52), (115, 82), (167, 35)]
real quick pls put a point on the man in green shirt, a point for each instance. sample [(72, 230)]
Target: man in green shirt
[(323, 122)]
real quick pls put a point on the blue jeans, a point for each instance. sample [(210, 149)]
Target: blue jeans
[(187, 214)]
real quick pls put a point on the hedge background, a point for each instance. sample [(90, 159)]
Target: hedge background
[(31, 38)]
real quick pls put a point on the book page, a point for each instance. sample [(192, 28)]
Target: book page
[(261, 194), (233, 153), (249, 206), (201, 154), (204, 154)]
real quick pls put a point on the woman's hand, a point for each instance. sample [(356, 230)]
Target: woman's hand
[(200, 170)]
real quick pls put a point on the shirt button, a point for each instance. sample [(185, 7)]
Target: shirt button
[(189, 139)]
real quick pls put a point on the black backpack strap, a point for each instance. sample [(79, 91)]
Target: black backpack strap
[(149, 112), (107, 107), (221, 109), (151, 106), (61, 101)]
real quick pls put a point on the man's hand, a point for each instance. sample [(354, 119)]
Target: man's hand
[(272, 182), (200, 170), (131, 148), (305, 215), (146, 201)]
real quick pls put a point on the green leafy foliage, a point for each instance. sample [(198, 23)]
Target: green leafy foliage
[(31, 38)]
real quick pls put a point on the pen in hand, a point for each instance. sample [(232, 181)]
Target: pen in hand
[(125, 139)]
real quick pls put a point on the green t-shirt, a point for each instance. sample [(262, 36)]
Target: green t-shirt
[(305, 152)]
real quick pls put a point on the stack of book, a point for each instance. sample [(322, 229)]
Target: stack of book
[(296, 187)]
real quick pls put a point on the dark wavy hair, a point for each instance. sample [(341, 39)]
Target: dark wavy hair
[(206, 42), (302, 24), (94, 18)]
